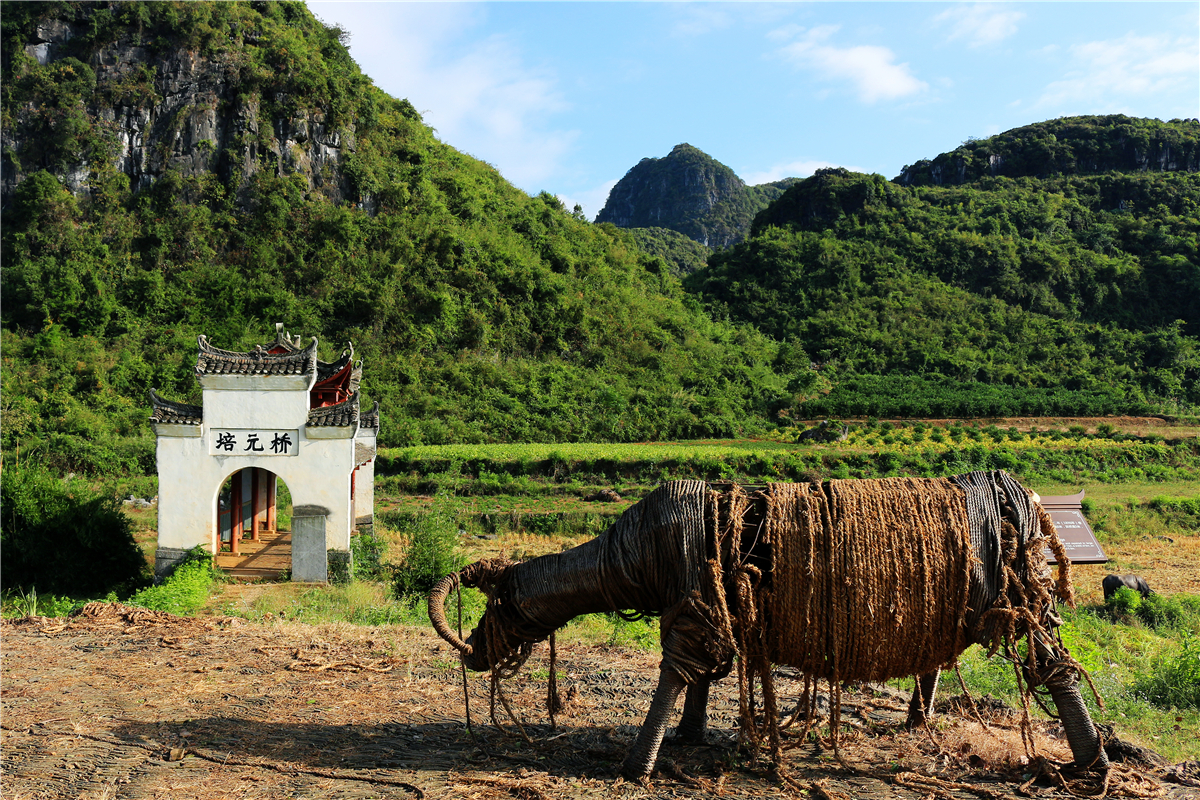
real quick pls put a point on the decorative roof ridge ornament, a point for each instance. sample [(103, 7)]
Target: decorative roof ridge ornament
[(284, 339), (327, 369), (215, 361)]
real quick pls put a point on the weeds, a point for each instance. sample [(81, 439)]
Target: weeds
[(1178, 612), (368, 555), (1173, 682), (20, 603), (186, 590)]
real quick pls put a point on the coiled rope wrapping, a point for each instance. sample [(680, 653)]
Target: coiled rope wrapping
[(870, 578), (877, 579)]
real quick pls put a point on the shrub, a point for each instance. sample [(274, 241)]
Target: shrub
[(338, 562), (1124, 602), (1173, 682), (368, 552), (432, 553), (1180, 611), (185, 590), (62, 538)]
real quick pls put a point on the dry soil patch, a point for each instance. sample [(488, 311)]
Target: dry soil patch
[(145, 705)]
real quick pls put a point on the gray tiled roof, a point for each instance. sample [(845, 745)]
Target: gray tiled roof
[(165, 411), (213, 361), (342, 415), (371, 418), (327, 369)]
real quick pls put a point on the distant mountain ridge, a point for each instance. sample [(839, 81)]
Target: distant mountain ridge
[(1065, 146), (690, 192)]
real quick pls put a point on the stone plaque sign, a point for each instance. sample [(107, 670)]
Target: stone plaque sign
[(245, 442), (1077, 537)]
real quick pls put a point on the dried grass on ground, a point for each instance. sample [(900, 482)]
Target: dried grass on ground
[(135, 704)]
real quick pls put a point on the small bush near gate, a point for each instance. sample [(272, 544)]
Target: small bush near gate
[(338, 562), (368, 553), (185, 590), (60, 537), (431, 552)]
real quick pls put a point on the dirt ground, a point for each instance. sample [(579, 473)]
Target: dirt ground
[(124, 703)]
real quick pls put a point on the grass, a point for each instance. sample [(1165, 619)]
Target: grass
[(185, 591), (1147, 675), (31, 604)]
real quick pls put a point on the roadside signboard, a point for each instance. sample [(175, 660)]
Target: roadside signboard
[(1067, 514)]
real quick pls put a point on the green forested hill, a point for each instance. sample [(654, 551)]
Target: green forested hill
[(1066, 146), (175, 169), (682, 255), (481, 313), (1075, 282)]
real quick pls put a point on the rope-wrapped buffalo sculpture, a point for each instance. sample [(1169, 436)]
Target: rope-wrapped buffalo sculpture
[(844, 580)]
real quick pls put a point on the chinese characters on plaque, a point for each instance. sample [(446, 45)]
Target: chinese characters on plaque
[(235, 442)]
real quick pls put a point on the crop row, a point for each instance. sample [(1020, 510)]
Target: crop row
[(517, 469)]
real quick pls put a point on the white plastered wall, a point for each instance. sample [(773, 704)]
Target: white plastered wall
[(190, 476), (364, 482)]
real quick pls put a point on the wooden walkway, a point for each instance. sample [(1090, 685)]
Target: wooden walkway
[(265, 559)]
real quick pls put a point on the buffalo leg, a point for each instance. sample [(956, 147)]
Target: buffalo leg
[(640, 760), (695, 714), (1085, 741), (920, 708)]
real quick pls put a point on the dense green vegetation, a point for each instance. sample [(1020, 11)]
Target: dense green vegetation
[(59, 536), (1066, 146), (1084, 289), (871, 450), (482, 314), (682, 254), (486, 315)]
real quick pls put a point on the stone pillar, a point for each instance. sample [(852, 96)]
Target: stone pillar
[(309, 559)]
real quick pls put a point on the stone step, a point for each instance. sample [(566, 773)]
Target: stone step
[(247, 575), (265, 559)]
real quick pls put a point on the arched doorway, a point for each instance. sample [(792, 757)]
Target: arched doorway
[(254, 539)]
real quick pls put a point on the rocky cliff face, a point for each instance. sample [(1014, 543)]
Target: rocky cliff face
[(78, 107), (1067, 146), (689, 192)]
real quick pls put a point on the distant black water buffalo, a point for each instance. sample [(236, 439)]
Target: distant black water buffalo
[(1135, 582)]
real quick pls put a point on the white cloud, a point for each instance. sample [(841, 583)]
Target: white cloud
[(481, 95), (1107, 73), (699, 19), (981, 24), (871, 69), (792, 169)]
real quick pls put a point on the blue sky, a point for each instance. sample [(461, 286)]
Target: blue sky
[(567, 96)]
